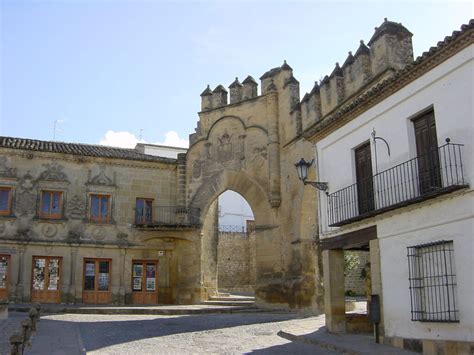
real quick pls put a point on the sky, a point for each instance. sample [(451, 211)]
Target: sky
[(116, 72)]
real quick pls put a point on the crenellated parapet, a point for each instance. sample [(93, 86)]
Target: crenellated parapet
[(390, 49)]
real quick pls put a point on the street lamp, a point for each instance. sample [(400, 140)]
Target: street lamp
[(302, 170)]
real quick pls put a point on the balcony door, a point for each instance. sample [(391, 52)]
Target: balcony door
[(365, 187), (427, 151)]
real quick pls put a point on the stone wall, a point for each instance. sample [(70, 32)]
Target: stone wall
[(236, 262)]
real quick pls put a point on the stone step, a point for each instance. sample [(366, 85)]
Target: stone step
[(142, 310), (228, 303), (232, 298)]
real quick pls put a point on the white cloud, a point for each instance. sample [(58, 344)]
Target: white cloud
[(126, 139)]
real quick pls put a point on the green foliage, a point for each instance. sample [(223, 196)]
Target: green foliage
[(351, 261)]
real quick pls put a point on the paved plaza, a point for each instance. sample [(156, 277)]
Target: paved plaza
[(150, 334)]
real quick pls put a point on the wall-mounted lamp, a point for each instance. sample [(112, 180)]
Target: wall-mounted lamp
[(302, 169)]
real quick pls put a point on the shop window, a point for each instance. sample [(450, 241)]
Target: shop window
[(144, 211), (5, 201), (51, 204), (100, 208), (432, 278)]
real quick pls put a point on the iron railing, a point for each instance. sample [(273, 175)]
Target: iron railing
[(439, 171), (231, 229), (168, 216)]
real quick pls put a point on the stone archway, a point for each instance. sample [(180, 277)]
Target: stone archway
[(247, 147)]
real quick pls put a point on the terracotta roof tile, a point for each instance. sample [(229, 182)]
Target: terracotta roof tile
[(89, 150)]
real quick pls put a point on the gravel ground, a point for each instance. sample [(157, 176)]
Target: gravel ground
[(193, 334)]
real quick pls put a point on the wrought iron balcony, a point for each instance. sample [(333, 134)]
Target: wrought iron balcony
[(167, 217), (427, 176)]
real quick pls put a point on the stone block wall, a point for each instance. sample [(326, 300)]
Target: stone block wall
[(235, 262)]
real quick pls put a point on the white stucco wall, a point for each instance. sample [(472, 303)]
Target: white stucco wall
[(448, 88)]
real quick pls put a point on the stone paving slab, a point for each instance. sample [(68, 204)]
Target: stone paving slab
[(312, 330)]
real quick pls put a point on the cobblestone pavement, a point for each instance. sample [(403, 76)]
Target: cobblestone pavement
[(7, 327), (144, 334)]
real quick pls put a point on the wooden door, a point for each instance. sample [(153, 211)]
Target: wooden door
[(365, 187), (4, 276), (144, 281), (97, 281), (427, 151), (46, 279)]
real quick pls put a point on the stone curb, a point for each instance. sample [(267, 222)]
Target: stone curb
[(319, 343), (147, 311)]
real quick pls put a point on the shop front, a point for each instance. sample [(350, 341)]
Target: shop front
[(4, 276), (46, 279), (97, 281)]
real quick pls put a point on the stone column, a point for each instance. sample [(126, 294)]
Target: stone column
[(19, 283), (72, 274), (273, 148), (334, 298), (123, 253)]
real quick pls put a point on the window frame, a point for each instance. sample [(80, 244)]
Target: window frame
[(9, 210), (99, 218), (433, 282), (144, 220), (49, 215)]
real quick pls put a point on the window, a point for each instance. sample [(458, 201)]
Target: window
[(5, 201), (144, 211), (51, 204), (432, 278), (100, 209)]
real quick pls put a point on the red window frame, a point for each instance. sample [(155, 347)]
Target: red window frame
[(99, 217), (8, 210), (49, 214)]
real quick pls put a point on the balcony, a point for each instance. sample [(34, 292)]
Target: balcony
[(418, 179), (167, 217)]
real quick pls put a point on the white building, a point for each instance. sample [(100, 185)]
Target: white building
[(160, 150), (398, 157)]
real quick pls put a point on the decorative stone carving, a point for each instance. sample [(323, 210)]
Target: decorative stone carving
[(53, 172), (122, 236), (25, 203), (225, 149), (76, 208), (49, 230), (98, 233), (5, 170), (197, 168), (27, 182), (101, 178), (259, 156)]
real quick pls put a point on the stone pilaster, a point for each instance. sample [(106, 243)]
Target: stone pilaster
[(273, 148)]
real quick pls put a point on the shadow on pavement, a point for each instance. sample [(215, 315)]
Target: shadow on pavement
[(97, 334)]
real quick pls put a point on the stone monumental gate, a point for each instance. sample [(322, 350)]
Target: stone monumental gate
[(250, 146)]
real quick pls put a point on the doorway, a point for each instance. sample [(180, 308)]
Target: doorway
[(365, 187), (144, 281), (97, 281), (4, 276), (46, 279)]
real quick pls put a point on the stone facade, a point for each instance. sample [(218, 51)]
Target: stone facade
[(73, 236)]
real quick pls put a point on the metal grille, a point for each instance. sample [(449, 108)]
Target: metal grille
[(231, 228), (414, 180), (432, 280)]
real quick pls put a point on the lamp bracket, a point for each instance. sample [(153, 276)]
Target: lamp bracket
[(323, 186)]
